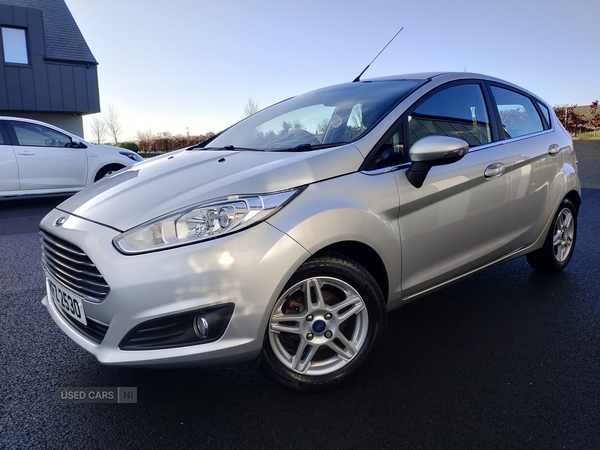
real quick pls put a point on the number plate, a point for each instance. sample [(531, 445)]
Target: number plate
[(69, 302)]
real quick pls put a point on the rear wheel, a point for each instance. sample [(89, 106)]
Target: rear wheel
[(560, 242), (326, 325)]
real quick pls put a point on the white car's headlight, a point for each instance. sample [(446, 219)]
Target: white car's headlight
[(200, 222)]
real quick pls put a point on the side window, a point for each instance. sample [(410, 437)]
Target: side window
[(391, 152), (457, 111), (517, 113), (545, 113), (31, 134)]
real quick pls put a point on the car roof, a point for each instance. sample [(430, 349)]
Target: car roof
[(443, 77), (431, 75)]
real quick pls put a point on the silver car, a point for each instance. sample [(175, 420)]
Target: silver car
[(287, 238)]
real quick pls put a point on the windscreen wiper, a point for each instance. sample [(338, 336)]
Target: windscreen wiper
[(309, 147), (227, 147)]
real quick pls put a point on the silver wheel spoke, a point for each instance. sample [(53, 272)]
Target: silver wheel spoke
[(312, 289), (567, 220), (557, 238), (353, 300), (301, 365), (346, 353), (277, 326)]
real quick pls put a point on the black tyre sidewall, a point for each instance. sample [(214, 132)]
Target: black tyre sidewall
[(106, 169), (347, 270)]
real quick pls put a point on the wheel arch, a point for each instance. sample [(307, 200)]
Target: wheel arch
[(107, 167), (575, 198), (366, 257)]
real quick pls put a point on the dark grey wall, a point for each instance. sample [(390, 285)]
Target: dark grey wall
[(45, 84)]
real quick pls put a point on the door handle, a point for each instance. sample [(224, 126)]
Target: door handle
[(26, 154), (494, 170), (554, 149)]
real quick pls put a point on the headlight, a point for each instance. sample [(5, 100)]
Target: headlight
[(131, 155), (201, 222)]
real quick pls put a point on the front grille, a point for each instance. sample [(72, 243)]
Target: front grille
[(94, 331), (72, 267)]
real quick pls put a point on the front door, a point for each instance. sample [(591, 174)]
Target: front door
[(457, 221), (46, 159)]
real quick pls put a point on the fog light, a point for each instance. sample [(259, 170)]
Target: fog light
[(201, 326), (179, 330)]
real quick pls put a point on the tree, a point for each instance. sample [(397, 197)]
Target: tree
[(322, 129), (113, 123), (251, 107), (98, 129), (595, 117), (572, 121), (577, 122), (145, 139)]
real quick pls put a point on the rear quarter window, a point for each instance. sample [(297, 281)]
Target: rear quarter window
[(517, 112), (545, 112)]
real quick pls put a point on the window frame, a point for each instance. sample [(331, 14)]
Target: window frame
[(546, 119), (26, 42), (15, 139), (490, 106), (534, 101), (6, 139)]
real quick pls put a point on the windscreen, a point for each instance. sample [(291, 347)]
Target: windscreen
[(318, 119)]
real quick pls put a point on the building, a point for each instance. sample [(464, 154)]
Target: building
[(47, 71)]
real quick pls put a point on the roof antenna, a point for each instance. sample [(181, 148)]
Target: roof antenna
[(369, 65)]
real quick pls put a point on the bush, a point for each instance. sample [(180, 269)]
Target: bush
[(130, 146), (164, 142)]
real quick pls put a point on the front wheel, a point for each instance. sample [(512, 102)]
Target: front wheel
[(560, 242), (107, 171), (326, 325)]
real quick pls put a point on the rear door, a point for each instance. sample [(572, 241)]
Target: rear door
[(9, 172), (457, 221), (46, 159), (537, 159)]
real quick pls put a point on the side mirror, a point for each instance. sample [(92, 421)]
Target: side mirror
[(76, 143), (433, 151)]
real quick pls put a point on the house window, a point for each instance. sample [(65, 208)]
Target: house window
[(14, 42)]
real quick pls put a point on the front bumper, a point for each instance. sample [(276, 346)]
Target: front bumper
[(247, 270)]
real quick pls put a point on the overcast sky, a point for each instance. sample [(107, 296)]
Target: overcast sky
[(170, 66)]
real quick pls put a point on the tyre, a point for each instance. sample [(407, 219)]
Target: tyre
[(326, 326), (560, 242), (107, 170)]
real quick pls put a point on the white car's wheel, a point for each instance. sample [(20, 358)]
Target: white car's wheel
[(326, 325), (107, 171)]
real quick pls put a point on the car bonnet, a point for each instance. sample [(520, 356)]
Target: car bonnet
[(179, 179)]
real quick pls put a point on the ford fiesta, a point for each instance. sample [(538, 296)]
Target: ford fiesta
[(287, 238)]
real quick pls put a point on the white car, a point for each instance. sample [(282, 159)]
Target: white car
[(38, 158)]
